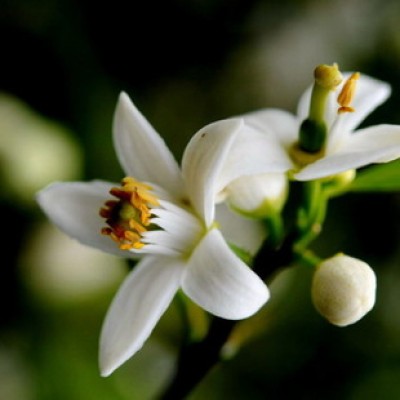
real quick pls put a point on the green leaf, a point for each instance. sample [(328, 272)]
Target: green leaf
[(379, 178)]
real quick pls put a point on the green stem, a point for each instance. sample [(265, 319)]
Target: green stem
[(197, 358), (308, 258), (275, 229), (311, 215)]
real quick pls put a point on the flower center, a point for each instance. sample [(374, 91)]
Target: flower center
[(129, 216)]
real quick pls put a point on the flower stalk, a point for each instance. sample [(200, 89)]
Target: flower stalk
[(311, 215)]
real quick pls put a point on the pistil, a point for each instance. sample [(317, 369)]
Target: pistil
[(313, 130)]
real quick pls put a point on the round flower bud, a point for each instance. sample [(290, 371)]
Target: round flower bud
[(258, 196), (343, 289)]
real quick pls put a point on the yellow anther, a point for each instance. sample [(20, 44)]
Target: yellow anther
[(131, 236), (145, 218), (131, 183), (129, 215), (347, 93), (136, 226), (148, 197), (113, 236)]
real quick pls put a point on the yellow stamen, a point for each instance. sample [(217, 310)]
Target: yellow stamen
[(129, 182), (131, 236), (347, 94), (128, 217), (136, 226), (147, 197)]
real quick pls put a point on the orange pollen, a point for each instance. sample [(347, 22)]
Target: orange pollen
[(128, 216), (347, 93)]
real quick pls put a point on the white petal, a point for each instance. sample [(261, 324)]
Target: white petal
[(282, 124), (253, 153), (382, 142), (162, 242), (140, 302), (220, 282), (181, 230), (142, 153), (158, 242), (247, 234), (202, 161), (74, 208), (369, 94), (376, 144), (303, 106), (173, 217)]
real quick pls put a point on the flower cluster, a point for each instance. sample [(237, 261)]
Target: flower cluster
[(196, 227)]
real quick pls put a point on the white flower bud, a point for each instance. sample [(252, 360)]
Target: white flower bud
[(258, 195), (343, 289)]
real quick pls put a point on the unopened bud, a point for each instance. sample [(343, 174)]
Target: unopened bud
[(258, 196), (343, 289)]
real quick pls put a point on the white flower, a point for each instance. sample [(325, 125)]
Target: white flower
[(346, 148), (343, 289), (169, 221)]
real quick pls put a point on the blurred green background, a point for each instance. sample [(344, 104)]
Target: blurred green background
[(184, 63)]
